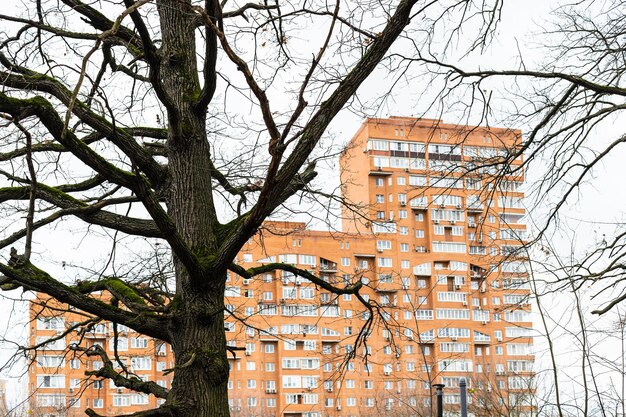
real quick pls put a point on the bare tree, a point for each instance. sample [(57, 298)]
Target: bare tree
[(571, 105), (131, 125)]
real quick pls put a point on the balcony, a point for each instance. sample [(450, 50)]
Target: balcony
[(420, 203), (327, 266), (452, 296), (424, 269), (378, 171), (475, 207)]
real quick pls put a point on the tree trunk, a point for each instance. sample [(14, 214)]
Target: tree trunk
[(199, 387)]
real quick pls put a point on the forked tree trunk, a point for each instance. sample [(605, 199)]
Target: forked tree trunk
[(199, 387)]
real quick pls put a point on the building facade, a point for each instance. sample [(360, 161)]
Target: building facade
[(434, 233)]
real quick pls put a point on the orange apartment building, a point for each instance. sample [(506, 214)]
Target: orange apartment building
[(435, 240)]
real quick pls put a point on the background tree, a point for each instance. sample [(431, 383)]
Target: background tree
[(126, 116), (567, 93)]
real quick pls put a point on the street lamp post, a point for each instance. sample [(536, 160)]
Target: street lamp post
[(463, 389), (439, 388)]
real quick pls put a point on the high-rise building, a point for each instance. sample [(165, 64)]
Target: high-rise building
[(433, 232)]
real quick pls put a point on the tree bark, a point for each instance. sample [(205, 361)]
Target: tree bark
[(199, 387)]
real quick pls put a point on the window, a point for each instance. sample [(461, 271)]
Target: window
[(98, 403), (404, 247), (405, 264), (385, 262), (51, 381), (140, 363), (379, 182), (401, 180), (247, 257), (121, 400), (345, 261), (404, 230), (45, 361), (380, 198), (270, 367), (50, 323), (450, 247), (382, 245), (139, 342)]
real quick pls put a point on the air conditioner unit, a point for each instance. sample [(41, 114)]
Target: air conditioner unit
[(161, 353), (499, 339), (484, 322), (120, 390), (399, 391), (488, 389), (471, 225), (387, 373), (465, 303), (482, 290), (406, 170), (270, 391), (442, 205), (457, 286), (248, 353), (310, 388), (71, 390), (387, 338), (454, 338), (338, 407), (379, 250), (458, 206), (402, 203), (435, 221), (387, 407), (329, 389), (479, 240), (452, 221), (246, 282), (298, 283)]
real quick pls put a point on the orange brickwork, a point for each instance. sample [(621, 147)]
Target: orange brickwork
[(434, 234)]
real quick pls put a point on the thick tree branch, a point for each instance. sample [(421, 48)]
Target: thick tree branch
[(108, 371), (90, 213), (29, 80), (163, 411), (23, 273)]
